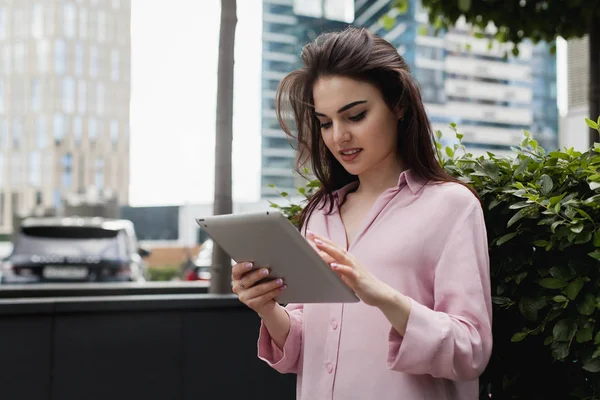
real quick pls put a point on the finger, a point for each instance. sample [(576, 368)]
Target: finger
[(348, 274), (260, 290), (335, 252), (239, 269), (257, 302), (250, 278), (312, 236), (326, 257)]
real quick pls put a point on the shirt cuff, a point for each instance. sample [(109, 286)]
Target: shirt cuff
[(286, 359)]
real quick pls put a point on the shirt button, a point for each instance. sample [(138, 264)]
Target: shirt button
[(329, 368), (334, 325)]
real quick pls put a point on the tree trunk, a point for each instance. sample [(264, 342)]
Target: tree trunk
[(221, 263), (594, 87)]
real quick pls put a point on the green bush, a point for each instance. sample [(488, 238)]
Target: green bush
[(542, 213), (166, 273)]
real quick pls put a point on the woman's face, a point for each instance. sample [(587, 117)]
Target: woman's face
[(357, 126)]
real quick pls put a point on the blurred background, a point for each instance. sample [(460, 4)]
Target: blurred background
[(108, 112)]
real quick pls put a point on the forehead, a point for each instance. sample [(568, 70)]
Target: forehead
[(333, 92)]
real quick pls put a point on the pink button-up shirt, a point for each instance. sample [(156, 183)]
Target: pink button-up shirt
[(428, 242)]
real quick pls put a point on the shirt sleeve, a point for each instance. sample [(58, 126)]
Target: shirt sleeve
[(288, 359), (454, 339)]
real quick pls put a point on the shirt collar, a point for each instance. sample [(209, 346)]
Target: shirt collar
[(407, 178)]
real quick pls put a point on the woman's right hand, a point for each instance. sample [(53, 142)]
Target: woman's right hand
[(260, 297)]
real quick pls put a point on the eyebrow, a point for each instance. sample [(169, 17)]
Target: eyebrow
[(346, 107)]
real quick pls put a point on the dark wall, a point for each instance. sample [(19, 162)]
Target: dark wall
[(153, 223), (186, 346)]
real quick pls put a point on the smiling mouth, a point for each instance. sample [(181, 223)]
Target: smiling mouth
[(350, 152)]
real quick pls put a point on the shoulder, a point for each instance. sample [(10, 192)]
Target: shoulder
[(450, 196)]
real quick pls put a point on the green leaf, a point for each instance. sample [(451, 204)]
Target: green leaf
[(548, 340), (515, 218), (438, 134), (597, 238), (388, 22), (501, 301), (585, 334), (494, 203), (402, 6), (562, 272), (564, 330), (517, 337), (520, 204), (541, 243), (546, 185), (577, 228), (574, 287), (552, 283), (479, 35), (587, 305), (597, 338), (560, 350), (506, 238), (591, 123), (464, 5), (529, 307), (559, 299), (584, 214), (449, 152), (594, 185), (595, 254), (556, 199), (555, 225), (522, 166), (592, 365)]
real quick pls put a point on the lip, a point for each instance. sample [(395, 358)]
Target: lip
[(350, 157)]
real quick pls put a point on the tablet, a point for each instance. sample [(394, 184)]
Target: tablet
[(269, 240)]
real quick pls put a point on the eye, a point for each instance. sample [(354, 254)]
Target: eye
[(358, 117), (324, 125)]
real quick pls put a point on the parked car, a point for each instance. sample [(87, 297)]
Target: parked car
[(198, 267), (74, 249)]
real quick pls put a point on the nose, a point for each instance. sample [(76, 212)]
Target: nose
[(340, 133)]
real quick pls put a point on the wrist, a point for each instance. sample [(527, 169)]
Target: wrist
[(268, 310), (392, 301)]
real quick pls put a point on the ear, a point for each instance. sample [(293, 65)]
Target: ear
[(400, 113)]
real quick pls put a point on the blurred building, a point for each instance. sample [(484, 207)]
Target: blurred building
[(64, 102), (574, 132), (463, 80)]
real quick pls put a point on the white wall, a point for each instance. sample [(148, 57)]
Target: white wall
[(573, 131)]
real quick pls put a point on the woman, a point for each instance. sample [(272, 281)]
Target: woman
[(406, 237)]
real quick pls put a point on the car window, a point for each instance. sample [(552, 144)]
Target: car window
[(70, 241)]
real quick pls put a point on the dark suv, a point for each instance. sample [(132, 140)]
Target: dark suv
[(75, 250)]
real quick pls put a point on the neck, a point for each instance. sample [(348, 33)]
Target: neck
[(380, 178)]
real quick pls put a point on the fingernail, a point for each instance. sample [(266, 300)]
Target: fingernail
[(310, 233), (318, 241), (279, 282), (248, 265), (265, 272), (284, 287), (334, 266)]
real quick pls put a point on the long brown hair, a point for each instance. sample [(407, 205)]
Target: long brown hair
[(359, 54)]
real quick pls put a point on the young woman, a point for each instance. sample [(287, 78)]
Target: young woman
[(406, 237)]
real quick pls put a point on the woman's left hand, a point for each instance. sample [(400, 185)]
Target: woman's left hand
[(369, 289)]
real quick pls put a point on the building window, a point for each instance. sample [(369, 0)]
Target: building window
[(59, 127), (93, 61), (68, 94), (99, 174), (77, 130), (1, 97), (37, 26), (2, 23), (79, 59), (116, 4), (92, 129), (40, 132), (17, 133), (16, 169), (100, 98), (67, 163), (81, 96), (35, 168), (7, 59), (60, 56), (114, 63), (36, 95), (114, 132), (1, 175), (43, 51), (83, 24), (101, 26), (56, 198), (69, 17), (19, 57), (3, 136)]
